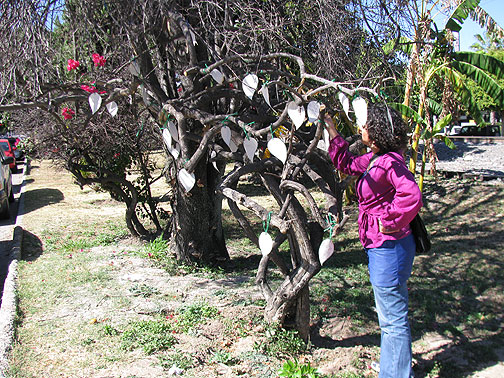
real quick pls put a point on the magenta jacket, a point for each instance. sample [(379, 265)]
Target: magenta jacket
[(388, 191)]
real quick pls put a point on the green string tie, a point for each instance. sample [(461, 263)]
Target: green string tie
[(266, 227), (331, 221), (140, 129), (246, 133)]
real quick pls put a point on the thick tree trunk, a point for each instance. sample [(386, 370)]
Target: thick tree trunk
[(196, 229)]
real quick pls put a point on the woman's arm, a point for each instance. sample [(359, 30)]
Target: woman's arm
[(407, 199), (343, 159)]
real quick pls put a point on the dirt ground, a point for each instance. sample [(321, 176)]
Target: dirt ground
[(338, 346)]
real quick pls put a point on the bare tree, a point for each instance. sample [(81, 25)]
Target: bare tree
[(216, 81)]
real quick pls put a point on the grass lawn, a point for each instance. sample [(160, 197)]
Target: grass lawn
[(94, 302)]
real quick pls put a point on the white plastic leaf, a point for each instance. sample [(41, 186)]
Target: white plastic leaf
[(213, 154), (313, 110), (167, 138), (278, 149), (226, 134), (326, 138), (232, 146), (112, 108), (360, 108), (250, 146), (326, 250), (217, 76), (193, 38), (173, 131), (186, 179), (344, 102), (249, 86), (134, 68), (265, 94), (95, 101), (174, 151), (265, 243), (296, 114)]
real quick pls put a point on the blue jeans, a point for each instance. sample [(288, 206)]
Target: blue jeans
[(395, 348)]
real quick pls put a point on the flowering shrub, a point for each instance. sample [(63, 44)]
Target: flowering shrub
[(72, 64), (99, 61), (67, 113), (89, 88)]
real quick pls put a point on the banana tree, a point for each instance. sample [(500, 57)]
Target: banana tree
[(432, 57), (427, 134)]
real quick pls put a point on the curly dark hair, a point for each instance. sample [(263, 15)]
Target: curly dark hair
[(390, 134)]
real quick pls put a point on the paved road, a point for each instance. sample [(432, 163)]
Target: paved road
[(7, 226)]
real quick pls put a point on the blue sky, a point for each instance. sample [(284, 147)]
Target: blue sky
[(495, 8)]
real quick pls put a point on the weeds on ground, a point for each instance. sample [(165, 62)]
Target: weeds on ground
[(279, 341), (150, 335)]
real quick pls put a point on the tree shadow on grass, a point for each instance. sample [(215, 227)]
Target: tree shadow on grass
[(38, 198)]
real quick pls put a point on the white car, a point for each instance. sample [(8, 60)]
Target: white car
[(455, 130), (6, 193)]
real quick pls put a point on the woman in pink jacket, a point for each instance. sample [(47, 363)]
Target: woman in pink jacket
[(389, 199)]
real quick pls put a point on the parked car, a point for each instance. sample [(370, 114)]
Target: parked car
[(455, 130), (9, 151), (14, 141), (471, 130), (6, 193)]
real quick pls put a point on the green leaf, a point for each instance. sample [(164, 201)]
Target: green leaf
[(449, 143), (434, 106), (483, 61), (408, 112), (485, 81), (427, 134), (459, 15), (403, 44), (465, 95)]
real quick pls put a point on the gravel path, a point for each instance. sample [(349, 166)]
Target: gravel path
[(471, 158)]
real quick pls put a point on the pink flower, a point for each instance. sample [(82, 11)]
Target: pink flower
[(72, 64), (99, 61), (89, 88), (67, 113)]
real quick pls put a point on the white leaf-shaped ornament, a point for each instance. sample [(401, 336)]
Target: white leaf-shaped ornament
[(360, 108), (217, 76), (134, 68), (226, 134), (167, 138), (313, 110), (213, 154), (174, 151), (249, 86), (325, 251), (296, 114), (232, 146), (112, 108), (265, 94), (173, 131), (193, 38), (95, 101), (250, 146), (326, 139), (278, 149), (186, 179), (344, 102), (265, 243)]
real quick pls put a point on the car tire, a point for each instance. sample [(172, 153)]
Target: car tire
[(5, 212)]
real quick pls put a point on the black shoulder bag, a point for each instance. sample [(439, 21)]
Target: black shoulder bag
[(422, 241)]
